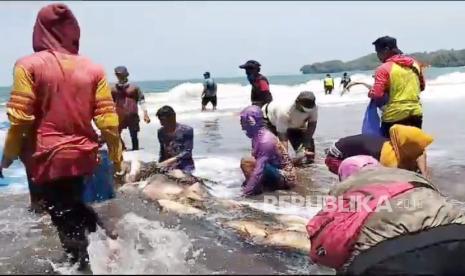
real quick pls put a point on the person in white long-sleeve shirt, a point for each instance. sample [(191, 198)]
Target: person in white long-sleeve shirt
[(294, 122)]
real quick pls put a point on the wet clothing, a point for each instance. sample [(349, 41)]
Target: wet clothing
[(71, 217), (260, 91), (209, 92), (206, 100), (406, 145), (328, 85), (401, 77), (360, 144), (407, 255), (287, 119), (414, 212), (415, 121), (355, 164), (267, 151), (402, 150), (209, 87), (285, 116), (56, 124), (345, 81), (179, 144), (56, 94), (127, 97)]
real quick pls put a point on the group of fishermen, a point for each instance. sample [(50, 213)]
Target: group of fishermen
[(57, 93)]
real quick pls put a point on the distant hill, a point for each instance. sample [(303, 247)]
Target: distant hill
[(440, 58)]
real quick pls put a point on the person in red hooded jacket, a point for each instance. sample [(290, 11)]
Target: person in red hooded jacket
[(56, 94), (401, 78)]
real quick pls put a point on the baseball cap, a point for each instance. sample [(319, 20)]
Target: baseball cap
[(250, 64), (306, 95), (121, 70)]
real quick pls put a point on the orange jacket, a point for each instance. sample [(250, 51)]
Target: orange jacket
[(55, 96)]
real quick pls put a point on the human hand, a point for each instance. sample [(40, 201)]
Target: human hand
[(146, 118), (6, 162), (309, 154)]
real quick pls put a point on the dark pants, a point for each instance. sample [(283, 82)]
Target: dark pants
[(70, 215), (438, 251), (131, 122), (297, 138), (207, 99), (36, 197), (416, 121), (328, 89)]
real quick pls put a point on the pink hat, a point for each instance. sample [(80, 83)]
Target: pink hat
[(354, 164)]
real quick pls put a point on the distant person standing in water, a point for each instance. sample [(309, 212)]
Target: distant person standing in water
[(345, 80), (401, 78), (127, 96), (209, 92), (176, 142), (260, 86), (328, 84), (56, 94)]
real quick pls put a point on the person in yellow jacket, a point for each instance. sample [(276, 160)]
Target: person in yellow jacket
[(328, 84), (406, 149), (401, 78)]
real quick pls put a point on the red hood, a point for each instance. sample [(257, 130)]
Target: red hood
[(402, 60), (56, 29)]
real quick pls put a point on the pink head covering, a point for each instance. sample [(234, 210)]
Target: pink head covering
[(354, 164)]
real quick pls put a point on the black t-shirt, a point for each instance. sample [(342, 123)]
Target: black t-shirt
[(361, 144)]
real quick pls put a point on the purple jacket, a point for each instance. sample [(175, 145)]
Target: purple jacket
[(267, 150)]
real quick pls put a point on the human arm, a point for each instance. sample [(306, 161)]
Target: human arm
[(186, 146), (263, 85), (141, 101), (423, 165), (20, 114), (204, 89), (254, 183), (282, 124), (106, 120), (421, 78), (161, 155), (309, 144), (381, 84)]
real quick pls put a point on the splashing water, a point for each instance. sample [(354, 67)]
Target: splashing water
[(144, 247)]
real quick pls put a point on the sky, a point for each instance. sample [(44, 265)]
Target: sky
[(182, 40)]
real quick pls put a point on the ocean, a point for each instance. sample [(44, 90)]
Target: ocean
[(219, 143)]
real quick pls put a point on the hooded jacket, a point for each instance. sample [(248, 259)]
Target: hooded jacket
[(417, 209), (401, 77), (406, 145), (266, 149), (55, 96)]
